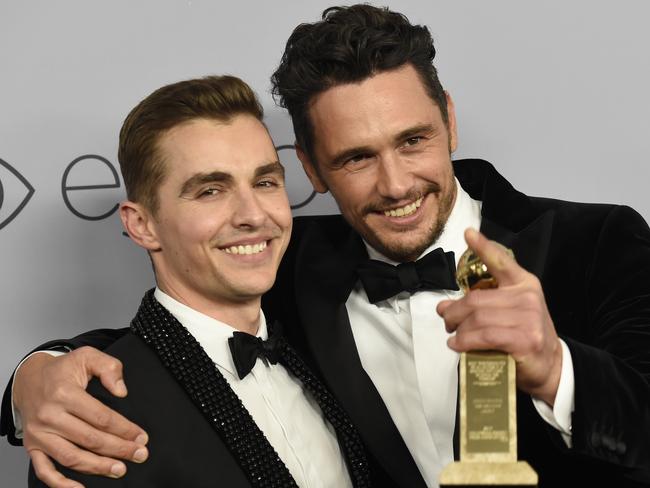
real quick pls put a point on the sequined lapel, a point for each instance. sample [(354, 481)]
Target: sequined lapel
[(182, 355), (346, 433)]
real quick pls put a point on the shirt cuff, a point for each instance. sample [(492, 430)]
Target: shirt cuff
[(18, 423), (560, 415)]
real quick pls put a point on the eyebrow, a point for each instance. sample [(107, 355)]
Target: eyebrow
[(339, 158), (414, 131), (203, 178), (199, 179), (270, 168)]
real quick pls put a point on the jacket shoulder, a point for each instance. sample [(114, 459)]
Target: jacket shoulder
[(584, 215), (334, 223)]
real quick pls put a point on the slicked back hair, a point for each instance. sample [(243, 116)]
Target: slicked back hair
[(350, 44), (217, 98)]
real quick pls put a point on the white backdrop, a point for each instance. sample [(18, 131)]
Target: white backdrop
[(554, 93)]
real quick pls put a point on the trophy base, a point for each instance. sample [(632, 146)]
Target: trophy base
[(493, 474)]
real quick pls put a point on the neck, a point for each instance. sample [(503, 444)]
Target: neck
[(242, 315)]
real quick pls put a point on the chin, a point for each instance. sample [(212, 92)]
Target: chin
[(397, 248), (397, 251), (257, 288)]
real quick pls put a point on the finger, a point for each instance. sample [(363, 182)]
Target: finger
[(87, 437), (79, 403), (476, 299), (499, 262), (443, 306), (94, 412), (503, 339), (454, 312), (488, 317), (107, 368), (47, 473), (67, 454), (478, 303)]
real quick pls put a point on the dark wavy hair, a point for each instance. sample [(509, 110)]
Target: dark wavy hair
[(349, 45)]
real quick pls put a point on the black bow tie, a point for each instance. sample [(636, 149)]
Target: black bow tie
[(433, 271), (246, 348)]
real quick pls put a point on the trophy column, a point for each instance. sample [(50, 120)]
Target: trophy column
[(488, 410)]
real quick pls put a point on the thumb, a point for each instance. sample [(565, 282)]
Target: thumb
[(500, 263), (106, 368)]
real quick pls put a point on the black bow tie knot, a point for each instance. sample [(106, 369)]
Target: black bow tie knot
[(246, 348), (433, 271)]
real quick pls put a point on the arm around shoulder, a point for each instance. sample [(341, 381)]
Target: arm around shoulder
[(99, 339)]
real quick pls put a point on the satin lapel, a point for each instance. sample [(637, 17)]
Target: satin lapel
[(530, 245), (189, 364), (508, 215), (322, 311)]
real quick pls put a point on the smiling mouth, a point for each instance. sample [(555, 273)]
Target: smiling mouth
[(405, 210), (247, 249)]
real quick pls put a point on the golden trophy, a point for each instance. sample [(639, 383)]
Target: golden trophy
[(488, 409)]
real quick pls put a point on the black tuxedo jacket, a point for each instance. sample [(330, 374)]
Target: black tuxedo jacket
[(593, 262), (594, 265), (160, 405), (200, 433)]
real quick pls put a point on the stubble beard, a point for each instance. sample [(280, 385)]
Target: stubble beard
[(402, 252)]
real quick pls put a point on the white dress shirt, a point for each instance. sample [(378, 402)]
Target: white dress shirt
[(402, 343)]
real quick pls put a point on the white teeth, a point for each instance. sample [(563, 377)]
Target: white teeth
[(405, 210), (247, 249)]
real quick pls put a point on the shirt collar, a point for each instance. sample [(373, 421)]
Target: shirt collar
[(210, 333)]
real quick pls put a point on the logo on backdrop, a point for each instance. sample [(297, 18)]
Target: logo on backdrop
[(15, 192), (94, 166), (89, 182), (301, 201)]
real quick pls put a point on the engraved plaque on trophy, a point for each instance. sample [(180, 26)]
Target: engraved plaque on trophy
[(488, 410)]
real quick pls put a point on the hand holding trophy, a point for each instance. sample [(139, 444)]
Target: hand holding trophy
[(488, 417)]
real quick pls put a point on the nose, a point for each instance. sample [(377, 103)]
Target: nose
[(247, 210), (394, 177)]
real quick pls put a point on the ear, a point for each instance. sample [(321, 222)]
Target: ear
[(311, 171), (139, 224), (451, 122)]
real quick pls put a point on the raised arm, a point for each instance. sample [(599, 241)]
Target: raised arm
[(605, 322)]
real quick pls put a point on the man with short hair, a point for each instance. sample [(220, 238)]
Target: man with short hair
[(375, 128), (206, 200)]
